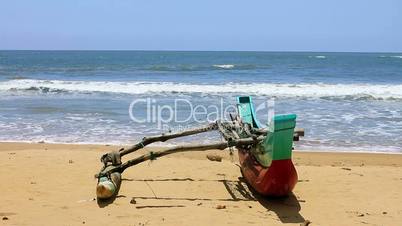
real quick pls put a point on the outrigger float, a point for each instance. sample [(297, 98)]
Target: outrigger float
[(264, 153)]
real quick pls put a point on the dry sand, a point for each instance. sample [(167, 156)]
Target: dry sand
[(47, 184)]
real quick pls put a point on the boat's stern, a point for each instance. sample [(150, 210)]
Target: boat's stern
[(268, 166)]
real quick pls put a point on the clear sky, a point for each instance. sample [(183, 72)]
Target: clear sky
[(262, 25)]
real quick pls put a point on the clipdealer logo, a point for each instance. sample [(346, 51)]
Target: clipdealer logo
[(182, 111)]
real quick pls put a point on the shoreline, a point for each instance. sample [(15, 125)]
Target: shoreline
[(299, 157), (166, 145)]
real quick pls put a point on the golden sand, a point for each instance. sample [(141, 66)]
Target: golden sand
[(52, 184)]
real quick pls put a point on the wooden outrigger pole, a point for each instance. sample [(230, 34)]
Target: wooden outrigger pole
[(239, 133)]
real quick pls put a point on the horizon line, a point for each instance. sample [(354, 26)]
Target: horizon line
[(173, 50)]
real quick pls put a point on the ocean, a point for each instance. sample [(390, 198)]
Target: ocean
[(344, 101)]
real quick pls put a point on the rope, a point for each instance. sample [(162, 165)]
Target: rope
[(152, 155), (151, 189)]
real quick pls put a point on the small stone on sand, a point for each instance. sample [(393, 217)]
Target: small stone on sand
[(219, 207), (132, 201), (303, 180), (5, 218), (70, 161), (215, 158), (345, 168)]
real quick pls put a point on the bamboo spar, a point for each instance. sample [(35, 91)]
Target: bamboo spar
[(184, 148), (164, 137), (109, 179)]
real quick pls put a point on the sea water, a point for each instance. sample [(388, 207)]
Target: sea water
[(344, 101)]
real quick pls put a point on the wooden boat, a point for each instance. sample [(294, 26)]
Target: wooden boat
[(268, 166), (264, 153)]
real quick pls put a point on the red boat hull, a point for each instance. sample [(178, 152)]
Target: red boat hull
[(277, 180)]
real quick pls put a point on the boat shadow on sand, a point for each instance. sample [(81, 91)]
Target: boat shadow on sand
[(286, 208)]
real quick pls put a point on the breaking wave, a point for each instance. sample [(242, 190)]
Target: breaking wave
[(400, 57), (318, 57), (224, 66), (189, 67), (324, 91)]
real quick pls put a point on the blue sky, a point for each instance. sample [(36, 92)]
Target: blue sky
[(262, 25)]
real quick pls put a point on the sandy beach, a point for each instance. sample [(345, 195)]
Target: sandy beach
[(52, 184), (310, 92)]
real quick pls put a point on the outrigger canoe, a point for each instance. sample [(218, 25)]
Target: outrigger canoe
[(264, 153), (268, 166)]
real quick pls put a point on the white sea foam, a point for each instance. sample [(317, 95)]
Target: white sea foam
[(224, 66), (364, 91), (383, 56), (318, 57)]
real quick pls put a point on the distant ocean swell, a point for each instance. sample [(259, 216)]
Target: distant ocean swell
[(400, 57), (157, 68), (306, 90), (204, 67)]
